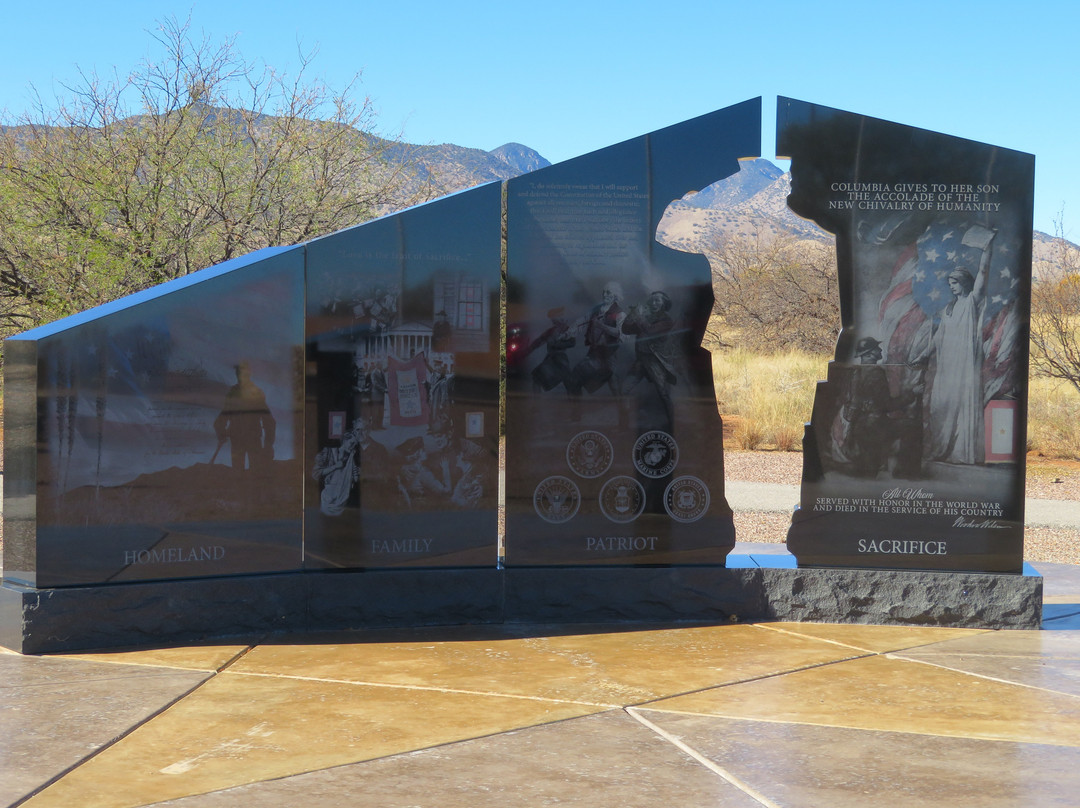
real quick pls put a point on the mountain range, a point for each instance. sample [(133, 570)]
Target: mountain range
[(752, 202), (450, 168)]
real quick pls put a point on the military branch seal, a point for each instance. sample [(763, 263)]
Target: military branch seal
[(589, 454), (656, 454), (622, 499), (686, 499), (557, 500)]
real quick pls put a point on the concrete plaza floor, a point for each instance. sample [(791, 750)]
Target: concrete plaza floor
[(768, 714)]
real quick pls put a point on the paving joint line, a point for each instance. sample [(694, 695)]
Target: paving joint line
[(856, 647), (850, 727), (126, 733), (760, 678), (711, 765), (984, 676), (430, 688)]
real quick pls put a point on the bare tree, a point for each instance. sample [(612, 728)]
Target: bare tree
[(1055, 315), (195, 157), (774, 291)]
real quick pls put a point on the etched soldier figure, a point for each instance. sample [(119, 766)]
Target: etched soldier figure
[(361, 386), (470, 479), (440, 389), (246, 423), (417, 484), (337, 469), (880, 425), (376, 396), (603, 336), (655, 351), (441, 333), (439, 448), (554, 368), (358, 468)]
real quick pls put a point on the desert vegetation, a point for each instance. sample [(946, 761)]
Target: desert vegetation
[(767, 396), (777, 317), (196, 156)]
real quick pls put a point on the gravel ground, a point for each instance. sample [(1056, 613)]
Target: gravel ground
[(1046, 479)]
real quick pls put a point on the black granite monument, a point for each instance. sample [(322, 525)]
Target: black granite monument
[(307, 438), (160, 436), (914, 457), (403, 388), (614, 452)]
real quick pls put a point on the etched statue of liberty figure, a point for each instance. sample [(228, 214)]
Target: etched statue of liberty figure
[(954, 397)]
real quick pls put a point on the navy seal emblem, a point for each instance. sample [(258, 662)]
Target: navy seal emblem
[(556, 500)]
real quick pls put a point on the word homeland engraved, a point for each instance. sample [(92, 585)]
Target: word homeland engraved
[(589, 454), (656, 454), (622, 499), (686, 499), (557, 499)]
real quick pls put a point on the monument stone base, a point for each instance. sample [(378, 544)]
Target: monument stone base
[(750, 588)]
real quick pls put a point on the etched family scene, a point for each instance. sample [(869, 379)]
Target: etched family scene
[(919, 427), (403, 379), (613, 431)]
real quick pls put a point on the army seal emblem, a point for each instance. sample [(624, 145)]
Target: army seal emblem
[(589, 454)]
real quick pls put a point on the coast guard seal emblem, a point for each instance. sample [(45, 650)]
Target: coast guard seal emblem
[(686, 499)]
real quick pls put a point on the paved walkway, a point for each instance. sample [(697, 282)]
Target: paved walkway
[(763, 714), (780, 498)]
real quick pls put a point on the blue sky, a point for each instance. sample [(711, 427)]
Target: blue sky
[(569, 77)]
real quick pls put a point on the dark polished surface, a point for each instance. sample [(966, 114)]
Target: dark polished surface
[(403, 388), (168, 433), (614, 450), (914, 458)]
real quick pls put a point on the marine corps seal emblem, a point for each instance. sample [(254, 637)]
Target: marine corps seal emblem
[(656, 454)]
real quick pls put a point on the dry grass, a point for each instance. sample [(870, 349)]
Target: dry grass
[(1053, 419), (769, 397)]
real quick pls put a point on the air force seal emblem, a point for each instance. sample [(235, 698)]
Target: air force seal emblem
[(622, 499)]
